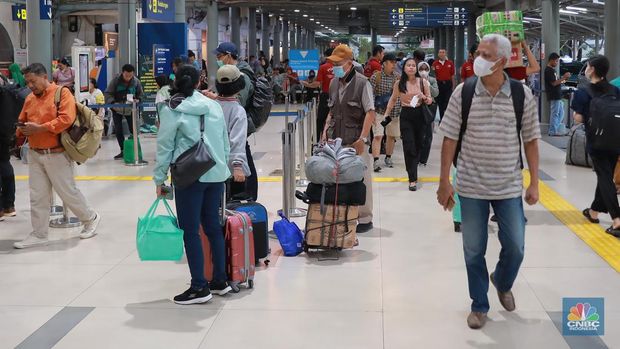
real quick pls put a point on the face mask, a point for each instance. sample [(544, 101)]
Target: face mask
[(338, 72), (482, 67), (220, 63), (424, 74)]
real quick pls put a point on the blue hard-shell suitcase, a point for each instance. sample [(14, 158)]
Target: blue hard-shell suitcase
[(260, 225)]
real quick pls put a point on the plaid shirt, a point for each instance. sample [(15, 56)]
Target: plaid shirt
[(385, 87)]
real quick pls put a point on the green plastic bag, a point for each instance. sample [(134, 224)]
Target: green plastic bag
[(159, 238), (508, 24), (128, 151)]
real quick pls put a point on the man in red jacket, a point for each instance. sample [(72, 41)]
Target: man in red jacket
[(467, 69), (374, 64), (445, 74)]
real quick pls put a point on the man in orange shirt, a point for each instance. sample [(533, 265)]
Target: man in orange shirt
[(446, 80), (49, 166)]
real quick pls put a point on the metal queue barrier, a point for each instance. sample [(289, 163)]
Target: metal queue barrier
[(296, 149)]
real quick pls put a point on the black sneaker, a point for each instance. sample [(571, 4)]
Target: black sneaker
[(219, 288), (363, 228), (193, 296), (119, 156)]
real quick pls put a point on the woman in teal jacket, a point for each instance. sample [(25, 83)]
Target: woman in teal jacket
[(200, 202)]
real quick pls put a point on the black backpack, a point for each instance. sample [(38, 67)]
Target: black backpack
[(12, 101), (603, 129), (259, 104), (467, 95)]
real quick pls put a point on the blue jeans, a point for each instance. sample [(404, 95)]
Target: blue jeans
[(511, 220), (200, 204), (557, 116)]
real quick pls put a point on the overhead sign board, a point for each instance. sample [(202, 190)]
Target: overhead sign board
[(19, 13), (428, 16), (45, 9), (302, 61), (160, 10)]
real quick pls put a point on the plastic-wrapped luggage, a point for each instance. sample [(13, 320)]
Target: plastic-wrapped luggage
[(333, 163), (508, 24), (347, 194), (331, 226)]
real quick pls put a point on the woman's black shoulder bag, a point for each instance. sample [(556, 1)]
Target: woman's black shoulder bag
[(193, 163)]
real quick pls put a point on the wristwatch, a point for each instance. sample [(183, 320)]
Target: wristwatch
[(365, 140)]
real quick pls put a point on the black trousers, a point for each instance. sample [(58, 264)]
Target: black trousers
[(605, 197), (412, 130), (7, 179), (321, 117), (249, 188), (118, 127), (426, 145), (445, 91)]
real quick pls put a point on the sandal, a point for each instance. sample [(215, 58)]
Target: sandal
[(613, 231), (586, 213)]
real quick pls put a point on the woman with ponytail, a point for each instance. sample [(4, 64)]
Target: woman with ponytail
[(199, 203)]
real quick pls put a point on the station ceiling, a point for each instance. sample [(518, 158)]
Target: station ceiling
[(586, 22)]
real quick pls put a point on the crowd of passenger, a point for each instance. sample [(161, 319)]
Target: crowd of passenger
[(394, 95)]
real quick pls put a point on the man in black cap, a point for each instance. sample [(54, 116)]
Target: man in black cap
[(382, 85)]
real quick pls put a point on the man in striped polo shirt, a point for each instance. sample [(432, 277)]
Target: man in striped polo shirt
[(489, 172)]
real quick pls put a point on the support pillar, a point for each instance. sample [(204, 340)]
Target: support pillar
[(460, 48), (551, 42), (57, 35), (450, 42), (39, 36), (265, 29), (373, 36), (179, 11), (442, 39), (212, 40), (252, 33), (234, 15), (612, 46), (300, 41), (293, 35), (511, 5), (285, 33), (127, 33), (436, 41), (472, 36), (276, 43)]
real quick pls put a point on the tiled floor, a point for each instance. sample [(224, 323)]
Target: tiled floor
[(405, 286)]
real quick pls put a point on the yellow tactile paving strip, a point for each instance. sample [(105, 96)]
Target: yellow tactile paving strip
[(605, 245), (594, 235)]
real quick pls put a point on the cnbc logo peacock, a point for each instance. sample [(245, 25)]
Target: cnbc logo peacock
[(583, 317)]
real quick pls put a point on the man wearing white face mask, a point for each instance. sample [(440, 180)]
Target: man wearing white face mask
[(486, 119), (351, 116)]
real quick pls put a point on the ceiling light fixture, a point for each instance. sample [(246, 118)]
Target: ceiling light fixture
[(297, 11), (533, 19), (577, 8), (598, 2), (567, 12), (317, 22), (311, 19), (353, 8), (305, 15)]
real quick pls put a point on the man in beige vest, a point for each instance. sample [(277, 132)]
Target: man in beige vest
[(351, 116)]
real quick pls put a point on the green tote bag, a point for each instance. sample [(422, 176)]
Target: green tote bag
[(159, 238)]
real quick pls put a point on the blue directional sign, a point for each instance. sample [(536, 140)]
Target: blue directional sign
[(19, 13), (302, 61), (45, 9), (428, 16), (162, 59), (160, 10)]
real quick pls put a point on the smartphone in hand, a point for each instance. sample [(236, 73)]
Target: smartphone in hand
[(167, 192)]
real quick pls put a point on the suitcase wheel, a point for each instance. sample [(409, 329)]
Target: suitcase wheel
[(235, 288), (267, 261), (250, 283)]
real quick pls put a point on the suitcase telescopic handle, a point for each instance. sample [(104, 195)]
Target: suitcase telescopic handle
[(223, 208)]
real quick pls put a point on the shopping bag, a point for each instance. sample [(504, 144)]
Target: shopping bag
[(289, 235), (159, 238), (128, 152)]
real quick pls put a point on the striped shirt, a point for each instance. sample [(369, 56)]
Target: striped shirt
[(488, 164)]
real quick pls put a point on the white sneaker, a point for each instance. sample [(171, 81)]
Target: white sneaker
[(90, 228), (31, 241)]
